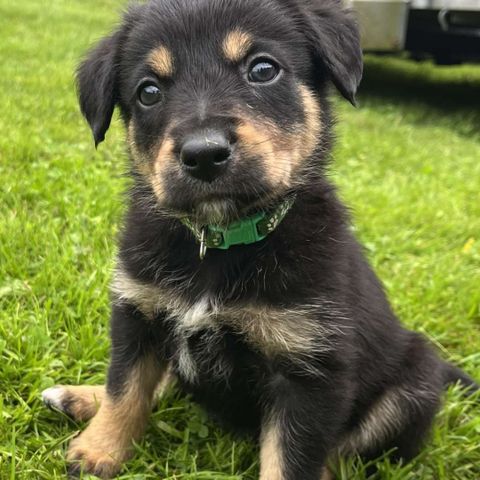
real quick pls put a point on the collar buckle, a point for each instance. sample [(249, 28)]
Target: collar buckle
[(203, 243), (242, 232)]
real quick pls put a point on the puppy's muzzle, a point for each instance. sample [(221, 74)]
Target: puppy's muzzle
[(205, 155)]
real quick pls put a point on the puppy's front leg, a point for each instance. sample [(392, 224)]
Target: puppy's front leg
[(301, 425), (135, 370)]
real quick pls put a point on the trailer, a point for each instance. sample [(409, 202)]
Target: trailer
[(447, 30)]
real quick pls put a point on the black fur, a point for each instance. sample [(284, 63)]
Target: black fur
[(318, 400)]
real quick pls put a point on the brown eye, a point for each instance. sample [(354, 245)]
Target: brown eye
[(263, 71), (149, 94)]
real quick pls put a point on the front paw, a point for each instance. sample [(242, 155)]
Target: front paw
[(98, 456)]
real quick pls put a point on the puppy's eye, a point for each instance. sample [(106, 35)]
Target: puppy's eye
[(263, 71), (149, 94)]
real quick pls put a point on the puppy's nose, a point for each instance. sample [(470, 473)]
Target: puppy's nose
[(206, 155)]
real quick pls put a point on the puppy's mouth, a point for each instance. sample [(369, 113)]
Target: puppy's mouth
[(215, 211), (222, 210)]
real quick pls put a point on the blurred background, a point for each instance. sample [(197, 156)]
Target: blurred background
[(407, 162), (446, 30)]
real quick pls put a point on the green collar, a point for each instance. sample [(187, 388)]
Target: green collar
[(249, 230)]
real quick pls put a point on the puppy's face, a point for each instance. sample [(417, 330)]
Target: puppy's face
[(222, 100)]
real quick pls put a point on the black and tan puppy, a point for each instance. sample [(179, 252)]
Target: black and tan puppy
[(238, 274)]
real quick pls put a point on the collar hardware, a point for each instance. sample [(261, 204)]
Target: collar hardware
[(246, 231), (203, 243)]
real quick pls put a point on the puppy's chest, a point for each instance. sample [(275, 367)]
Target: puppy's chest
[(214, 341), (208, 341), (214, 337)]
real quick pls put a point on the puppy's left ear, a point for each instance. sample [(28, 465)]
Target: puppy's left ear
[(97, 85), (333, 34)]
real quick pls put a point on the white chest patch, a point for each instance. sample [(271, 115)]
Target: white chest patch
[(197, 317), (186, 366), (200, 316)]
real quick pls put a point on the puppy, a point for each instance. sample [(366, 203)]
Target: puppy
[(238, 274)]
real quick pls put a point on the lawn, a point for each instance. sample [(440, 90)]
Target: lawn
[(407, 162)]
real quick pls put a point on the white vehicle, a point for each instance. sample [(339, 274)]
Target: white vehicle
[(447, 30)]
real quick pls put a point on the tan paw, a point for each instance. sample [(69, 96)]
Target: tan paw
[(80, 403), (327, 475), (91, 454)]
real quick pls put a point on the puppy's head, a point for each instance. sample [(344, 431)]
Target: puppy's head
[(224, 101)]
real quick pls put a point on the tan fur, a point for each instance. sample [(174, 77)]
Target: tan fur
[(83, 401), (271, 460), (217, 212), (275, 331), (107, 442), (308, 134), (161, 60), (236, 45), (152, 164), (271, 456), (257, 138), (150, 299), (269, 329), (282, 151), (140, 161), (163, 158), (327, 475), (384, 419)]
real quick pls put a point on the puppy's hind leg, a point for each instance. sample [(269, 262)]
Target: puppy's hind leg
[(397, 423), (400, 420), (82, 402), (423, 399), (78, 402)]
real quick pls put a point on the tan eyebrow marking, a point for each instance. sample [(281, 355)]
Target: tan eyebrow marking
[(161, 60), (236, 45)]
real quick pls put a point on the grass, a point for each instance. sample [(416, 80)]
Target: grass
[(407, 162)]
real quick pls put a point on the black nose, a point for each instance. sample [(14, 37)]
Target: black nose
[(205, 155)]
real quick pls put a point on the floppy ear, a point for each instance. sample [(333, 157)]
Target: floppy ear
[(333, 33), (97, 85)]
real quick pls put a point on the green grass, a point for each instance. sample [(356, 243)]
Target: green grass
[(407, 162)]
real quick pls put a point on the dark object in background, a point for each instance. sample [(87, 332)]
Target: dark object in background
[(451, 37), (446, 30)]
